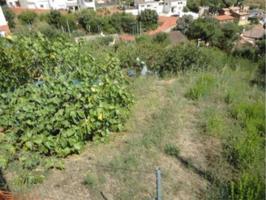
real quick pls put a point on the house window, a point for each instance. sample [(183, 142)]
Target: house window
[(41, 6), (17, 4)]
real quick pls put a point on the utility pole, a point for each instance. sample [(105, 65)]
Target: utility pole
[(158, 184)]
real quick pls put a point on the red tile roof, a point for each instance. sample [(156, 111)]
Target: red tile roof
[(166, 24), (224, 17)]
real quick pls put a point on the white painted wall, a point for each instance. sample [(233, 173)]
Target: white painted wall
[(3, 21), (166, 7), (53, 4), (39, 4), (57, 4), (87, 4), (12, 3)]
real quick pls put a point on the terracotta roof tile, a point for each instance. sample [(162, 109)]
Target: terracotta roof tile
[(166, 24), (224, 17)]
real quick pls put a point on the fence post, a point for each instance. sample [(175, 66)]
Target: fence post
[(158, 184)]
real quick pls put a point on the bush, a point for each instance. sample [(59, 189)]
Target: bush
[(183, 57), (151, 53), (149, 19), (183, 23), (66, 22), (161, 37), (27, 17), (83, 99), (123, 23), (89, 21), (35, 57)]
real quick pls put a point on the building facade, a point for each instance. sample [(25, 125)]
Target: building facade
[(162, 7), (52, 4)]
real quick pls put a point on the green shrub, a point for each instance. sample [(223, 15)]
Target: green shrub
[(151, 53), (83, 98), (66, 22), (183, 57), (161, 37), (36, 54), (202, 87), (149, 19), (27, 17), (123, 22)]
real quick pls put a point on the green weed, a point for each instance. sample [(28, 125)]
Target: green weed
[(171, 150), (202, 87)]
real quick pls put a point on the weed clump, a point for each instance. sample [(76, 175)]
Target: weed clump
[(171, 150), (202, 87)]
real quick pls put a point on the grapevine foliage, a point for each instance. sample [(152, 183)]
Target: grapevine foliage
[(62, 97)]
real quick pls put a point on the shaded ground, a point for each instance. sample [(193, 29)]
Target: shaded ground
[(124, 167)]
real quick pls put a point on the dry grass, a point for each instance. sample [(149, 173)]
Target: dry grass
[(124, 167)]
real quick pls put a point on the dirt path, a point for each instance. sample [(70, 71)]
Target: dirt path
[(183, 176)]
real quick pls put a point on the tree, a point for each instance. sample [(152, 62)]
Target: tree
[(183, 57), (149, 19), (54, 18), (214, 5), (207, 29), (27, 17), (183, 24), (194, 5), (123, 22), (230, 35)]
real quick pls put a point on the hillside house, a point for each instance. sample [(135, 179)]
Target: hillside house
[(52, 4), (162, 7), (4, 29), (239, 14), (254, 34)]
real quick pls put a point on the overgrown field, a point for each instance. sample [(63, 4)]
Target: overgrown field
[(199, 116)]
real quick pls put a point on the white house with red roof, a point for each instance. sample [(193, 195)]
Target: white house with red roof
[(4, 29)]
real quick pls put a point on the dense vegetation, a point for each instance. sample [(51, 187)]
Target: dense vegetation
[(210, 31), (54, 97), (57, 94), (80, 23)]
